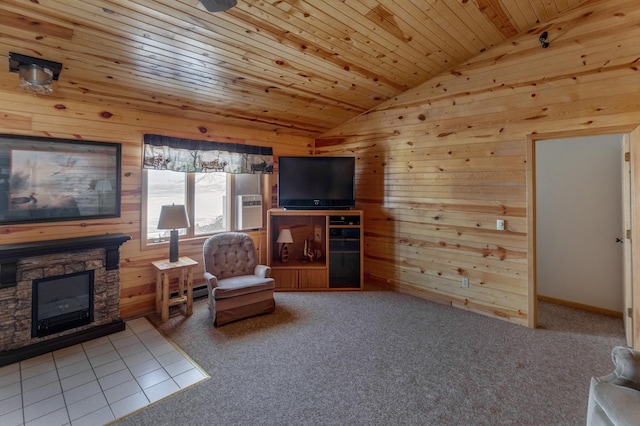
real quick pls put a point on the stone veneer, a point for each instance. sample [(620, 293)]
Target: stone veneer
[(15, 302), (21, 263)]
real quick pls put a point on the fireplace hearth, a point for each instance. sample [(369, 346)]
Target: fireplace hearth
[(58, 293)]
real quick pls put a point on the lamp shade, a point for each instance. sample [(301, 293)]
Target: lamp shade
[(173, 217), (285, 237)]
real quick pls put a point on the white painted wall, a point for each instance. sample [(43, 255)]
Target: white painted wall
[(578, 218)]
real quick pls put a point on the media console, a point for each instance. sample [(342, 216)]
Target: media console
[(326, 252)]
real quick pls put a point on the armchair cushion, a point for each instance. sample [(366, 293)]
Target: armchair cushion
[(244, 284), (229, 254)]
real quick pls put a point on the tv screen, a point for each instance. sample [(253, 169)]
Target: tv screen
[(316, 182)]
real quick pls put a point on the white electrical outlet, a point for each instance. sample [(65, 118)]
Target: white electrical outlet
[(465, 282), (500, 224)]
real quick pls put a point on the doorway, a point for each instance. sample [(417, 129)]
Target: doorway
[(578, 222)]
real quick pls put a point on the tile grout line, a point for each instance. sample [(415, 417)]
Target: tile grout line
[(58, 363), (178, 348)]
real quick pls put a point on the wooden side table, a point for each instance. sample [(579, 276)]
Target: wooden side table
[(183, 266)]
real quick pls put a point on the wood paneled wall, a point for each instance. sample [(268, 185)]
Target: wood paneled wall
[(439, 164), (53, 116)]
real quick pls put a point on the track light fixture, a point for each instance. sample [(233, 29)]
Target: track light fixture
[(544, 40)]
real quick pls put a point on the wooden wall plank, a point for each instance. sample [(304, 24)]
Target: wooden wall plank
[(440, 163), (38, 116), (298, 67)]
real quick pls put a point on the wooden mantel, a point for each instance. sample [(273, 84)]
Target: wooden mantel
[(11, 253)]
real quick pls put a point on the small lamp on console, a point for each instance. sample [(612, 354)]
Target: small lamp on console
[(173, 217), (284, 238)]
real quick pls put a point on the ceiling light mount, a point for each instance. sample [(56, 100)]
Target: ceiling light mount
[(218, 5), (35, 74), (544, 40)]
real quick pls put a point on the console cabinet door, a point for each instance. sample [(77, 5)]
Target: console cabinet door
[(285, 278), (312, 278)]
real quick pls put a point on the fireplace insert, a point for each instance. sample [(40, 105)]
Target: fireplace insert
[(61, 303)]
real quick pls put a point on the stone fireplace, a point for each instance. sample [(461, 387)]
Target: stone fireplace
[(58, 269)]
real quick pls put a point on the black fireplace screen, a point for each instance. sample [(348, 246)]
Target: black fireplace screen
[(62, 303)]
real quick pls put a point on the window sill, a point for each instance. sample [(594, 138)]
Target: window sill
[(150, 245)]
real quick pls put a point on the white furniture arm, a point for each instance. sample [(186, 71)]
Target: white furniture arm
[(212, 280), (262, 271), (614, 399), (627, 371)]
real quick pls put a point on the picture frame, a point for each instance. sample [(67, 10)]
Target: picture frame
[(49, 179)]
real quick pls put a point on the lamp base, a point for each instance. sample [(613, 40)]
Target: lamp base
[(173, 246), (284, 254)]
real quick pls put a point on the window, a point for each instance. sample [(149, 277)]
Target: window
[(207, 197), (203, 176), (210, 195), (163, 187), (204, 194)]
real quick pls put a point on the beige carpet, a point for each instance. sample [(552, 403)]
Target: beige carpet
[(384, 358)]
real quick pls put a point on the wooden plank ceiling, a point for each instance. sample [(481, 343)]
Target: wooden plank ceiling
[(292, 66)]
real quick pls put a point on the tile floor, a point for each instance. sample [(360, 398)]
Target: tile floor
[(95, 382)]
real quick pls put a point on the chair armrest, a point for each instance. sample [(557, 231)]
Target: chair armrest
[(262, 271), (627, 362), (212, 280)]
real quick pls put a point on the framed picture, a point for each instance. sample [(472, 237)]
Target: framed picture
[(46, 179)]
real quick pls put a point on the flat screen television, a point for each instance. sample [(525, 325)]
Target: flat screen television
[(316, 182)]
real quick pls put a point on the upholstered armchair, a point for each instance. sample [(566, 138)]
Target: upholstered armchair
[(614, 399), (237, 286)]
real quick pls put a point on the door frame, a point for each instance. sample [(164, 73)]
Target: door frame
[(633, 133), (627, 271)]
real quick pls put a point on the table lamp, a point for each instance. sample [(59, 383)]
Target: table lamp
[(284, 238), (173, 217)]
